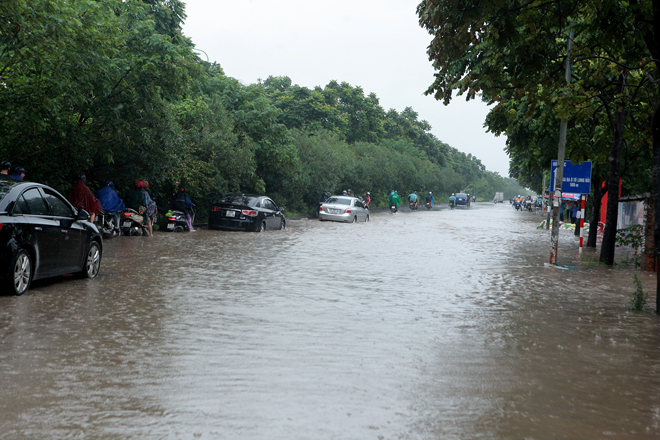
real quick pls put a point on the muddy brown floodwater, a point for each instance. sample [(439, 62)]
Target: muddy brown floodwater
[(425, 325)]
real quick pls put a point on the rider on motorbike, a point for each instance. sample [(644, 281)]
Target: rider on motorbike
[(394, 199), (429, 198), (412, 198), (111, 202), (452, 200)]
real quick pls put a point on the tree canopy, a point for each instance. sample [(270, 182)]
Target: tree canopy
[(115, 90)]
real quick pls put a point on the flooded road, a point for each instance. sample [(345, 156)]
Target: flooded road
[(426, 325)]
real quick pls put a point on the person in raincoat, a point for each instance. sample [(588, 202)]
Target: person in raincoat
[(111, 202), (394, 198), (181, 202), (81, 197)]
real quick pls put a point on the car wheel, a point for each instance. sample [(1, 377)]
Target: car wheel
[(282, 224), (366, 219), (92, 261), (354, 219), (261, 227), (21, 274)]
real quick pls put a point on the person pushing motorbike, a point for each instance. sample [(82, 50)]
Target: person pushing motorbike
[(181, 202)]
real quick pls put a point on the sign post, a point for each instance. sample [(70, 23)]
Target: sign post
[(576, 178)]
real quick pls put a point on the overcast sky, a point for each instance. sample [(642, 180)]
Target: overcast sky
[(375, 44)]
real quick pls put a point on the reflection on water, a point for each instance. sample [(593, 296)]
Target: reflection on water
[(442, 324)]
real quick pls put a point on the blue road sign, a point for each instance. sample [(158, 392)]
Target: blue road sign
[(576, 179)]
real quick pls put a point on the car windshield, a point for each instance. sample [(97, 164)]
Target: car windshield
[(6, 186), (339, 201), (461, 195)]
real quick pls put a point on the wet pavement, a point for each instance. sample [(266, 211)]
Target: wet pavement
[(426, 325)]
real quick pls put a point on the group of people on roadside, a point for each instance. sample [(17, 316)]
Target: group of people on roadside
[(366, 199), (107, 199), (19, 172)]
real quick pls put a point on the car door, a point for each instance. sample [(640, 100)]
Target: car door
[(46, 230), (73, 234), (359, 208), (272, 214)]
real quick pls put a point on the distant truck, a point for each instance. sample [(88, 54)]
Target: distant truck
[(499, 197)]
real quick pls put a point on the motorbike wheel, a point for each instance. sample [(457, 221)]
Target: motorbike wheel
[(178, 229), (135, 231)]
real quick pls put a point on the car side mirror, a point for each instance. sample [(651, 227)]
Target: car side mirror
[(82, 215), (280, 209)]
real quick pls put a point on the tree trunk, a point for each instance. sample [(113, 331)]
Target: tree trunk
[(609, 234), (592, 239)]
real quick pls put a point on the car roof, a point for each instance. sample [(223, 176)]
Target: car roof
[(11, 188)]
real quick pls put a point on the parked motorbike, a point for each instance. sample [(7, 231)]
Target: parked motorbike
[(393, 208), (132, 223), (177, 222), (104, 224)]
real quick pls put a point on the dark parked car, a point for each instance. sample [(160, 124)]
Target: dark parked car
[(42, 235), (246, 213), (463, 199)]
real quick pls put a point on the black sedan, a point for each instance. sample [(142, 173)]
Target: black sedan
[(246, 213), (42, 235)]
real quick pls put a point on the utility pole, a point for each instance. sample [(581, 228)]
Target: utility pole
[(554, 238)]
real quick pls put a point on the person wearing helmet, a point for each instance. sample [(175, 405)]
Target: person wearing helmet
[(394, 199), (452, 200), (5, 167), (19, 173), (366, 199), (429, 198), (111, 202), (81, 197)]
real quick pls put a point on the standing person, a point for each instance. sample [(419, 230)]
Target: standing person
[(367, 199), (111, 202), (19, 173), (181, 202), (574, 212), (151, 210), (81, 197), (5, 167)]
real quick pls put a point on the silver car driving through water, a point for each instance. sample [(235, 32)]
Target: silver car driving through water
[(343, 209)]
